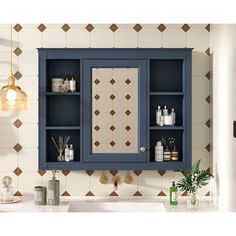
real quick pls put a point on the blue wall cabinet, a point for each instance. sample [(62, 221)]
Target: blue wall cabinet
[(150, 76)]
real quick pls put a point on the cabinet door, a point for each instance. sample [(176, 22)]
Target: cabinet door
[(114, 114)]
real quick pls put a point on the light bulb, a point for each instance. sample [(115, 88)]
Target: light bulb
[(11, 97)]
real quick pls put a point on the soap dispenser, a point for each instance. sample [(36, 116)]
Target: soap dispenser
[(173, 194), (54, 190)]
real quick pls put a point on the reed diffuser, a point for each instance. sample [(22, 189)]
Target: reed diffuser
[(60, 146)]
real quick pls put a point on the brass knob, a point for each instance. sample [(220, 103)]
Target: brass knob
[(128, 178), (142, 149)]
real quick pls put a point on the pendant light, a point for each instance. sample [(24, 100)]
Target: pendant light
[(11, 96)]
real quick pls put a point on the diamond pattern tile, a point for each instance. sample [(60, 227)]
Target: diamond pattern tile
[(161, 27), (112, 112), (208, 99), (65, 27), (208, 123), (42, 27), (65, 172), (18, 75), (41, 172), (96, 143), (208, 194), (184, 194), (112, 143), (208, 147), (112, 97), (162, 194), (89, 194), (128, 128), (18, 123), (96, 97), (17, 51), (112, 81), (114, 27), (17, 147), (208, 27), (127, 112), (89, 27), (137, 194), (113, 172), (128, 81), (89, 172), (208, 51), (185, 27), (127, 143), (97, 128), (161, 172), (128, 97), (97, 112), (18, 194), (97, 81), (17, 27), (112, 128), (17, 171), (65, 194), (113, 194), (138, 27), (208, 75), (138, 172)]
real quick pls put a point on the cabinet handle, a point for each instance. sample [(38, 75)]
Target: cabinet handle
[(142, 149)]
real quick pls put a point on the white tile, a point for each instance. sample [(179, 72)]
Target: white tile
[(200, 136), (12, 175), (200, 63), (28, 135), (199, 39), (30, 86), (28, 63), (28, 159), (102, 37), (8, 159), (5, 35), (126, 37), (204, 155), (174, 38), (8, 137), (31, 114), (8, 116), (167, 179), (6, 66)]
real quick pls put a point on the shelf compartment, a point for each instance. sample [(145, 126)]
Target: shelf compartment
[(52, 153), (166, 128), (175, 102), (156, 135), (62, 94), (63, 111), (166, 75), (63, 127), (166, 93)]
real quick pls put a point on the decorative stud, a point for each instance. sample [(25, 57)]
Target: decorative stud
[(18, 194), (18, 123), (112, 81), (65, 172), (112, 143), (161, 172), (65, 194), (208, 51), (96, 143), (17, 51), (128, 143), (208, 27), (208, 123), (112, 97), (96, 81), (17, 28), (42, 27), (89, 194), (97, 128), (161, 27), (113, 27), (137, 194), (18, 75), (128, 112), (128, 81), (208, 75), (17, 147), (138, 172), (162, 194), (96, 96), (208, 147), (112, 128), (128, 97), (137, 27), (113, 172), (208, 99), (185, 27), (41, 172), (65, 27), (89, 172), (17, 171), (112, 112), (113, 194), (89, 27), (97, 112), (128, 128)]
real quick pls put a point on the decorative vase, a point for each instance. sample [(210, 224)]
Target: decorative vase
[(192, 200)]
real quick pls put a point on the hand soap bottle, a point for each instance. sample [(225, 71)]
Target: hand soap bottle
[(54, 190), (173, 194)]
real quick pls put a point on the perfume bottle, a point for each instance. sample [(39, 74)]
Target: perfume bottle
[(67, 156), (158, 115), (71, 153), (173, 116)]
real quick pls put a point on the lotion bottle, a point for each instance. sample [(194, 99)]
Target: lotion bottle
[(158, 115), (173, 194), (71, 153), (159, 152), (54, 190)]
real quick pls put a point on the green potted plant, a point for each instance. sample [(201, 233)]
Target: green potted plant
[(193, 180)]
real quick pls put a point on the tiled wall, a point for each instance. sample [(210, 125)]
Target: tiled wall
[(19, 130)]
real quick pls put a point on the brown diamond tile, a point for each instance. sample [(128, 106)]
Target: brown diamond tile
[(128, 112), (128, 143), (208, 27), (185, 27), (97, 112), (65, 27), (138, 172), (112, 112), (89, 172), (18, 123), (137, 194), (42, 27), (97, 128), (96, 96), (128, 97), (208, 123), (89, 27), (17, 75), (113, 194), (112, 81), (128, 128), (208, 194), (114, 27), (42, 172), (112, 128), (208, 147), (128, 81), (65, 194), (208, 99), (17, 171), (184, 194), (97, 81), (17, 51), (208, 51), (161, 172), (96, 143), (161, 194), (17, 147), (89, 194), (65, 172), (17, 27), (18, 194), (113, 172), (161, 27), (112, 143), (112, 97), (208, 75), (137, 27)]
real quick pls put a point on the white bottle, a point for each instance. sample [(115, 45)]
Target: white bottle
[(71, 153), (159, 152), (72, 85), (168, 120), (67, 84), (165, 111), (161, 120), (158, 115), (173, 115), (67, 156)]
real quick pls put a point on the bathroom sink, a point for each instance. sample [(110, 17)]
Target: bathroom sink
[(116, 206)]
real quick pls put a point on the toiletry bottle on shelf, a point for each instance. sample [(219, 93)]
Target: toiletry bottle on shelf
[(174, 155), (161, 121), (173, 194), (54, 190), (168, 120), (71, 153), (159, 152), (158, 115), (67, 84), (173, 115), (167, 154), (165, 111), (67, 156), (72, 85)]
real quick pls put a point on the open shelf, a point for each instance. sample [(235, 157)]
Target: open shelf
[(166, 128), (62, 94), (63, 127), (166, 93)]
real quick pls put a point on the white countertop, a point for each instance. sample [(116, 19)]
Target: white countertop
[(27, 204)]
